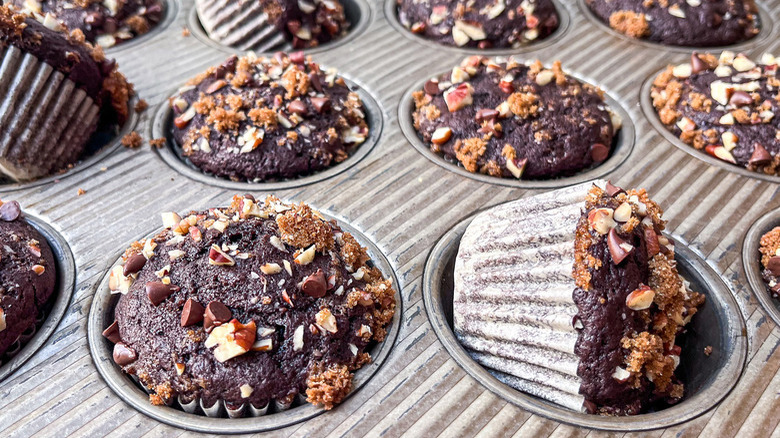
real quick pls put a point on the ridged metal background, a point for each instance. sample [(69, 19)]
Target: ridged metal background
[(404, 203)]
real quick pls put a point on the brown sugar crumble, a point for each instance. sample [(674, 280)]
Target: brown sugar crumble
[(630, 24), (157, 142), (141, 106), (132, 140)]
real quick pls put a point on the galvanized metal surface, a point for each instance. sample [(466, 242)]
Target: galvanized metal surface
[(403, 203)]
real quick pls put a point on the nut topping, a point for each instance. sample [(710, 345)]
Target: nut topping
[(10, 211), (619, 249), (641, 298), (326, 320), (623, 212), (441, 135), (601, 220), (232, 339), (219, 257)]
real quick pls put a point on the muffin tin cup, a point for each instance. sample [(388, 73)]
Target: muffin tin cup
[(357, 12), (170, 11), (751, 262), (765, 34), (646, 102), (708, 380), (103, 143), (391, 13), (172, 154), (219, 418), (622, 145), (46, 323)]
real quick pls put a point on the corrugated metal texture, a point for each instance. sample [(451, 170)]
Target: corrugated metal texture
[(403, 203)]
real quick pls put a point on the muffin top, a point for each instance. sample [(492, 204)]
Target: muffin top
[(307, 23), (258, 119), (507, 119), (480, 23), (27, 274), (725, 106), (681, 22), (70, 54), (250, 303), (106, 22)]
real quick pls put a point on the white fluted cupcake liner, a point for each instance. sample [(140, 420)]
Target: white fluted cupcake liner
[(513, 305), (45, 120), (239, 24)]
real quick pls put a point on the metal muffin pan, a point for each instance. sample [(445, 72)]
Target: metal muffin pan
[(170, 10), (751, 262), (766, 31), (58, 303), (646, 102), (173, 155), (708, 379), (102, 144), (622, 144), (357, 12), (391, 13), (101, 315)]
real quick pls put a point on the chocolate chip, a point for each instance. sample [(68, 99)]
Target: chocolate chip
[(94, 19), (123, 354), (297, 57), (112, 333), (110, 25), (774, 266), (134, 264), (486, 114), (613, 190), (192, 313), (228, 66), (157, 292), (697, 64), (651, 242), (599, 152), (616, 247), (321, 104), (10, 211), (432, 87), (216, 314), (760, 156), (740, 98), (297, 107), (315, 284), (314, 80), (490, 127)]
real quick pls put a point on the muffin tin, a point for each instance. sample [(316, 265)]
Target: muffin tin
[(400, 201), (707, 379), (751, 260), (46, 322), (214, 419)]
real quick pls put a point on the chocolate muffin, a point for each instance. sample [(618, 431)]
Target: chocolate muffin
[(770, 260), (264, 25), (724, 106), (574, 296), (482, 23), (27, 275), (248, 304), (681, 23), (107, 22), (261, 119), (57, 88), (507, 119)]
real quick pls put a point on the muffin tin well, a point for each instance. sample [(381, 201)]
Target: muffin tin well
[(357, 12), (103, 143), (646, 102), (622, 145), (751, 261), (765, 33), (391, 13), (172, 154), (215, 419), (46, 323), (708, 379)]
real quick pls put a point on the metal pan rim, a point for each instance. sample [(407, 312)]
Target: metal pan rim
[(764, 34), (694, 406), (564, 17), (752, 265), (64, 286), (374, 117), (645, 101), (105, 151), (358, 28), (123, 386), (624, 143)]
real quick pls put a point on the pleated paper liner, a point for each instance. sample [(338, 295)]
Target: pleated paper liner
[(221, 417), (751, 261), (43, 116), (488, 350), (50, 315)]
